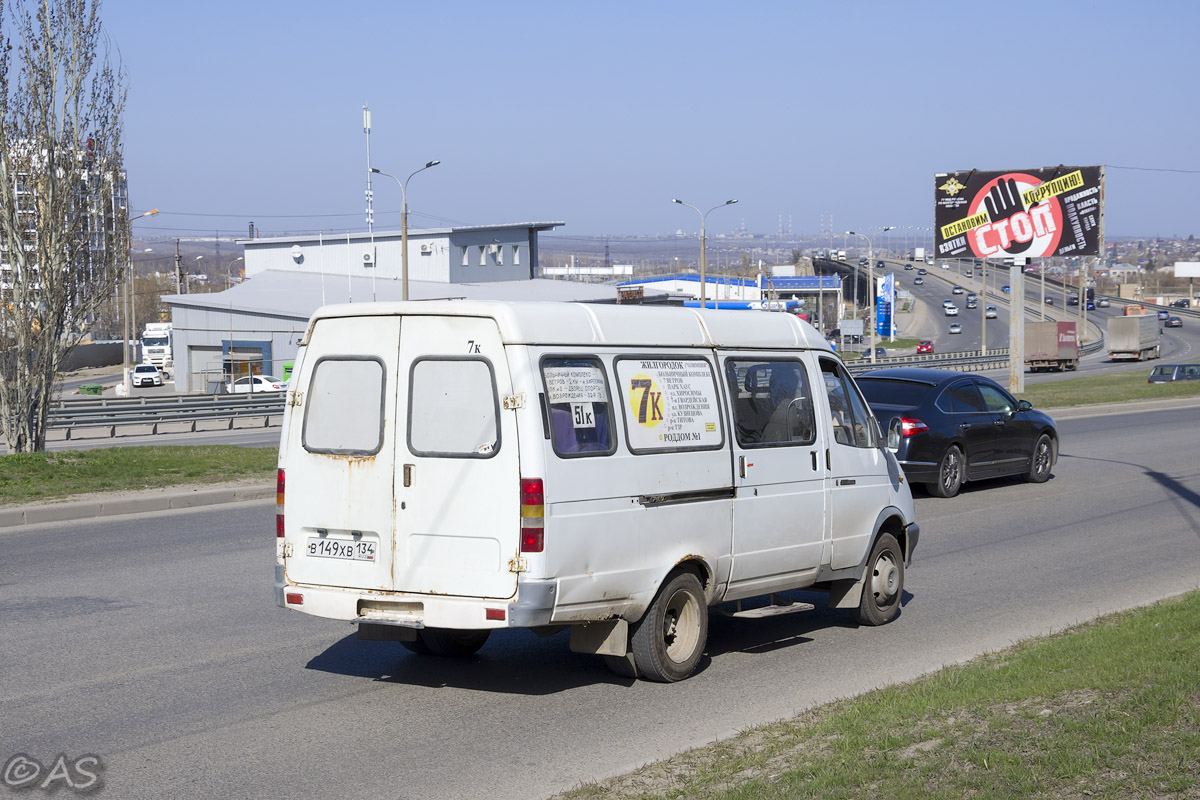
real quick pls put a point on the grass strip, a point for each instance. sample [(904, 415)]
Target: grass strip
[(1110, 709), (1114, 388), (39, 477)]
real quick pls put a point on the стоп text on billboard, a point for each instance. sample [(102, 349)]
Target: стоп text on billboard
[(1033, 213)]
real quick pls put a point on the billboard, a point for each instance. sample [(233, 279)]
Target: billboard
[(1032, 213)]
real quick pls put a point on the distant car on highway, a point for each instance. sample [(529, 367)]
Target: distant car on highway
[(990, 312), (921, 271), (944, 265), (256, 383), (1180, 304), (947, 303), (1169, 373), (968, 274), (1073, 300), (147, 375), (908, 266), (1163, 313), (879, 265), (918, 281), (955, 327), (951, 310), (948, 428), (1102, 303), (956, 290), (1006, 288), (879, 353), (1091, 306), (1049, 301), (924, 346), (972, 304), (1173, 322)]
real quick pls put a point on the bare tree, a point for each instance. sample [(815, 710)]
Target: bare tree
[(64, 221)]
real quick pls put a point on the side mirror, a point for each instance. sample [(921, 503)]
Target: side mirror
[(1024, 405)]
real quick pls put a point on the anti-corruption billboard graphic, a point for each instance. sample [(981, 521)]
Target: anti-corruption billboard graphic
[(1033, 213)]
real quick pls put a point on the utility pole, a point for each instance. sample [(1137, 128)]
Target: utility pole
[(180, 283)]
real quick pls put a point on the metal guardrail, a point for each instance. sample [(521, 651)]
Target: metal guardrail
[(68, 415), (962, 362)]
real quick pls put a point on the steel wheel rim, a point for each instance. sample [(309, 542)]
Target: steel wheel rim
[(681, 626), (950, 471), (885, 582)]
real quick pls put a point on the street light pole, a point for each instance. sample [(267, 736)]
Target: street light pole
[(871, 285), (703, 247), (404, 221), (128, 298)]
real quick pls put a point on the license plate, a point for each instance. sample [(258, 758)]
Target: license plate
[(344, 549)]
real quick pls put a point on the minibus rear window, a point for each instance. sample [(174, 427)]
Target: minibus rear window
[(453, 410), (343, 409), (579, 407)]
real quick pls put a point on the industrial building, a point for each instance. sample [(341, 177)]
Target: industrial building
[(255, 326)]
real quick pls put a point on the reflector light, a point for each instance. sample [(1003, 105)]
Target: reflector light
[(533, 510), (494, 613), (279, 505), (294, 599), (910, 426)]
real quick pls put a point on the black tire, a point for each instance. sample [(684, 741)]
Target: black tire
[(668, 641), (451, 643), (950, 474), (417, 645), (619, 665), (883, 583), (1039, 462)]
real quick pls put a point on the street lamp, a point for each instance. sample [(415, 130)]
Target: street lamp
[(229, 277), (128, 297), (404, 221), (871, 284), (703, 246)]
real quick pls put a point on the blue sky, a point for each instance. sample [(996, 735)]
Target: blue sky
[(598, 114)]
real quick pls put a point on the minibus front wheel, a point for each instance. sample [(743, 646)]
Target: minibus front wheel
[(669, 640)]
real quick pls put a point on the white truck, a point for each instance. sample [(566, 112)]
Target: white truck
[(918, 254), (1133, 337), (452, 468), (841, 255), (156, 346)]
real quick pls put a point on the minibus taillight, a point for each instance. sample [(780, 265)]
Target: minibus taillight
[(533, 509), (279, 504)]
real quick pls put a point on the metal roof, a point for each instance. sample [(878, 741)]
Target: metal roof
[(588, 324), (298, 294), (412, 233)]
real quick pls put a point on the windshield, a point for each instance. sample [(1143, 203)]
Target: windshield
[(155, 341)]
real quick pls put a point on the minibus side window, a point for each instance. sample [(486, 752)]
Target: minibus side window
[(772, 404), (453, 410), (670, 403), (343, 408), (579, 407)]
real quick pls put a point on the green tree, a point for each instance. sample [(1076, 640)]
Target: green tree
[(64, 220)]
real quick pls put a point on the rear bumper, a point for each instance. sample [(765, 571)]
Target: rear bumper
[(920, 471), (532, 606)]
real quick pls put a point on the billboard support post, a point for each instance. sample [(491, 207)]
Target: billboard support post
[(1016, 331)]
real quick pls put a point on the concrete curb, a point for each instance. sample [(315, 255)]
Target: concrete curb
[(137, 503)]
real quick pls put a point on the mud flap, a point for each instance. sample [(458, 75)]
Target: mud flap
[(845, 594), (607, 638)]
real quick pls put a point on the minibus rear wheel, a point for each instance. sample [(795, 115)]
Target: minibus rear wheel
[(452, 643), (669, 640)]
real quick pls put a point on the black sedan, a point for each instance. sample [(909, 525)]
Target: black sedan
[(947, 428)]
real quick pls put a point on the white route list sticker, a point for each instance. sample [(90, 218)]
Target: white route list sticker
[(670, 404), (582, 384)]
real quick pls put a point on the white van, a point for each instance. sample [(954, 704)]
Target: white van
[(454, 467)]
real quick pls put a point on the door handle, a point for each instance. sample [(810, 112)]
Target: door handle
[(964, 425), (814, 460), (847, 482), (998, 422), (742, 466), (408, 470)]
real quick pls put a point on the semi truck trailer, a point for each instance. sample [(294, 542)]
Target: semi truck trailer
[(1133, 337)]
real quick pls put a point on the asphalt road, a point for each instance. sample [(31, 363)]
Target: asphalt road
[(153, 641)]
